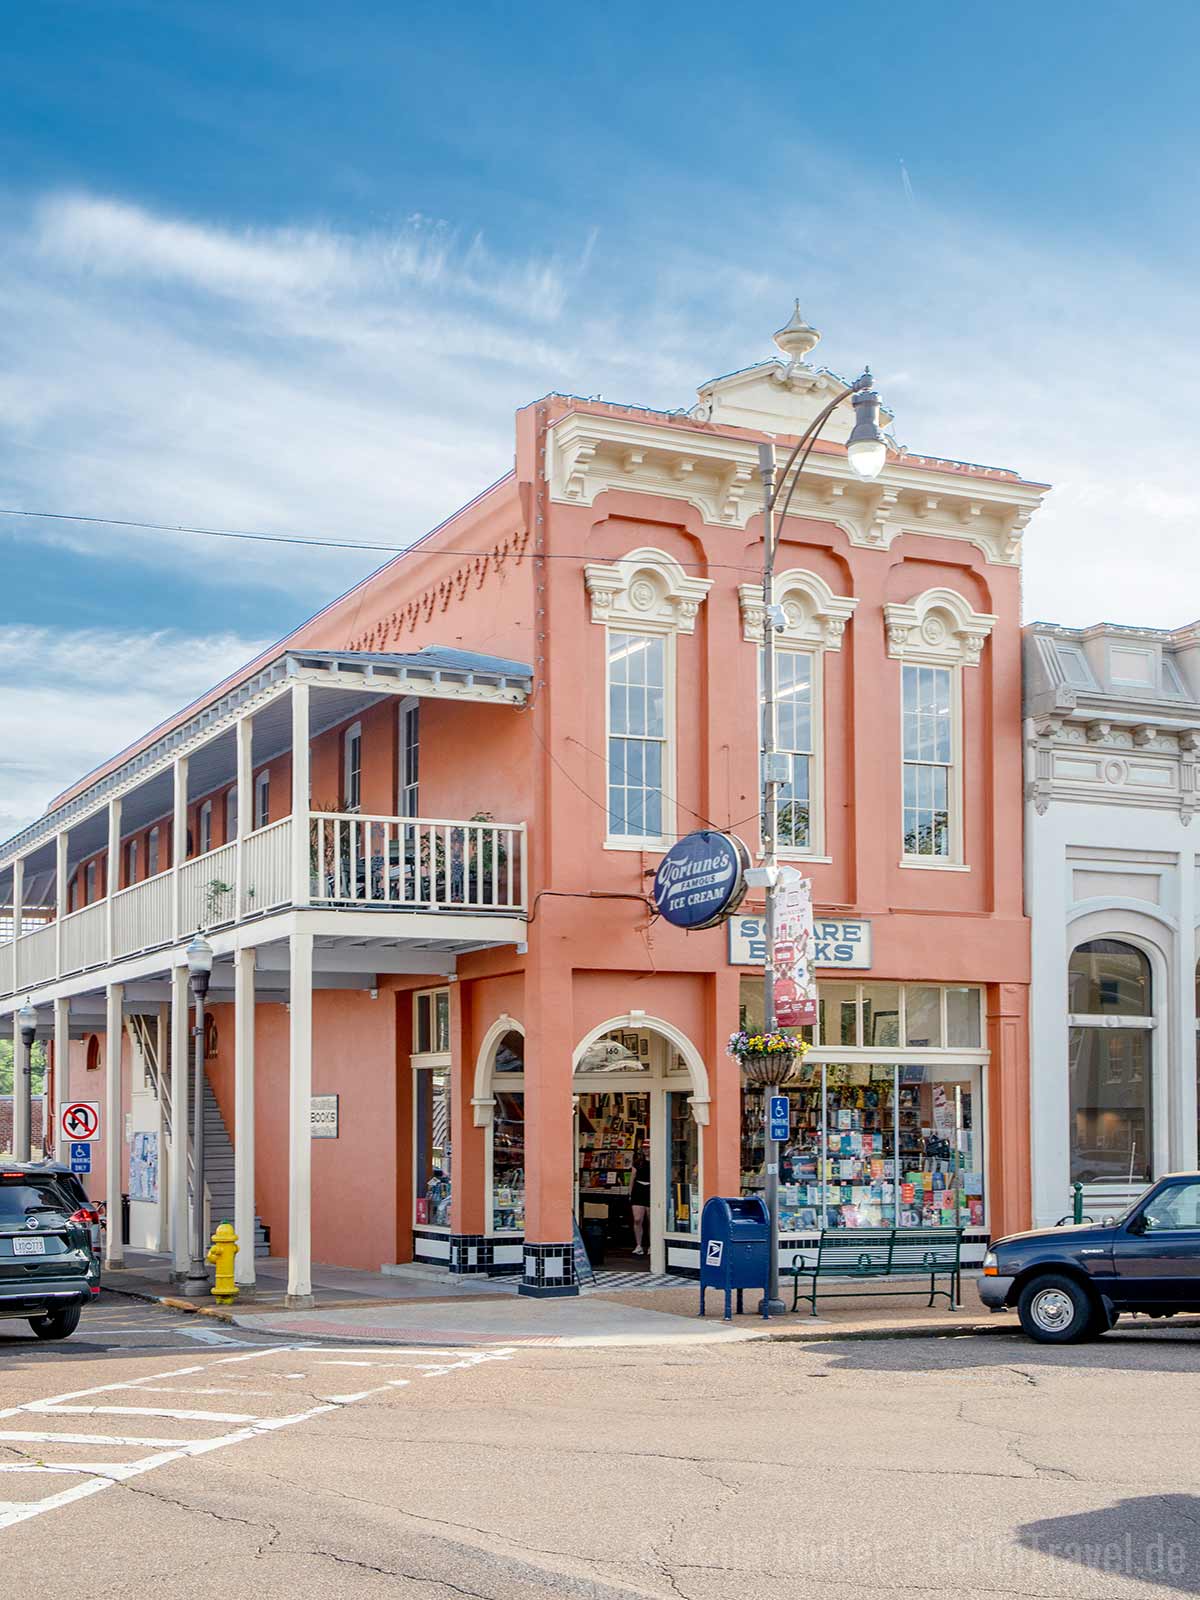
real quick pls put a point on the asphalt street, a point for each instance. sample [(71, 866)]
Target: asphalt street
[(156, 1453)]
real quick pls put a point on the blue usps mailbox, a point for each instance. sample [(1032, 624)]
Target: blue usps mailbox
[(735, 1238)]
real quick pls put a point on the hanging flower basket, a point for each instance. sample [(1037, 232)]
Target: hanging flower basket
[(768, 1060)]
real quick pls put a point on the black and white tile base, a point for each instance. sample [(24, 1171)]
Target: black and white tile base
[(549, 1271)]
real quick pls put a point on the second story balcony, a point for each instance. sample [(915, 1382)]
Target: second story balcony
[(266, 794)]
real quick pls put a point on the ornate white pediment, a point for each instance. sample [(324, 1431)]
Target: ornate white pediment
[(815, 615), (645, 589), (937, 626)]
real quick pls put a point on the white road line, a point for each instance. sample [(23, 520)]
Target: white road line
[(50, 1408), (85, 1438), (102, 1475)]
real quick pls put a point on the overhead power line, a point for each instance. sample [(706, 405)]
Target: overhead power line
[(330, 544)]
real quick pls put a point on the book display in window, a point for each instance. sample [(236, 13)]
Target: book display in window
[(508, 1164)]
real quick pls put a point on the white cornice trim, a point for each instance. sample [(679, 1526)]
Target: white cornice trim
[(588, 455), (646, 588), (815, 615), (937, 626)]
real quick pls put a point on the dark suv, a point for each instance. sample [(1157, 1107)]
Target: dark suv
[(48, 1271), (1073, 1283)]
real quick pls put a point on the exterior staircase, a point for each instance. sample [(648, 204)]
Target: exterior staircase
[(218, 1147)]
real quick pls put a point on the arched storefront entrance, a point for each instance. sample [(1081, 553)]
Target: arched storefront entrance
[(638, 1082), (634, 1077)]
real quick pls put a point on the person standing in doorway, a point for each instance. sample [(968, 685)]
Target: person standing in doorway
[(639, 1197)]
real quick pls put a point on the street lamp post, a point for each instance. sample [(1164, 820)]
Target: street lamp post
[(22, 1083), (866, 450), (200, 962)]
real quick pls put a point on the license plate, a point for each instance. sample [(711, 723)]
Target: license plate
[(29, 1247)]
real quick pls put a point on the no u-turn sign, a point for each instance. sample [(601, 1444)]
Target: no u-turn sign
[(81, 1121)]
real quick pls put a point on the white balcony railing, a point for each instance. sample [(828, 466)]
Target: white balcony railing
[(353, 860), (85, 938), (143, 916), (36, 955), (206, 889), (267, 868), (416, 863)]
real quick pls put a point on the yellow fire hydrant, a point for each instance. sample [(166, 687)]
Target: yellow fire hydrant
[(224, 1248)]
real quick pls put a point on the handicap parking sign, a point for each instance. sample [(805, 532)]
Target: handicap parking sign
[(779, 1117), (81, 1158)]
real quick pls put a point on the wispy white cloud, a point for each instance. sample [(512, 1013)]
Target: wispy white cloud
[(363, 383), (69, 700)]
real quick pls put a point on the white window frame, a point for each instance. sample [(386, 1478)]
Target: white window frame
[(153, 843), (815, 848), (436, 1062), (954, 768), (352, 767), (644, 841), (204, 820), (646, 592), (815, 621), (938, 628), (408, 795), (262, 799)]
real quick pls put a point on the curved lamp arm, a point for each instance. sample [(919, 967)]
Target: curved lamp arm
[(805, 443)]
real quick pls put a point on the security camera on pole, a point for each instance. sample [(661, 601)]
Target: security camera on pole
[(866, 451)]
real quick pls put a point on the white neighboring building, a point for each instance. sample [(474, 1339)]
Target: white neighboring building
[(1112, 717)]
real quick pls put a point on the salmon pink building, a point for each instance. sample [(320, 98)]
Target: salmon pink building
[(446, 1023)]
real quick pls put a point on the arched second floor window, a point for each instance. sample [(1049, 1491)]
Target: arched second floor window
[(1111, 1059)]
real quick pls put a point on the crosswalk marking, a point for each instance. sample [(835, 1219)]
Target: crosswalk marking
[(107, 1400)]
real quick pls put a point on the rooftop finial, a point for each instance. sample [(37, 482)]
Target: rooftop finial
[(796, 338)]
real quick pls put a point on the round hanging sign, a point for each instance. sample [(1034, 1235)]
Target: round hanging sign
[(701, 879)]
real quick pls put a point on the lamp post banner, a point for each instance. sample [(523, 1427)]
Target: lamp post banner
[(795, 982), (701, 879)]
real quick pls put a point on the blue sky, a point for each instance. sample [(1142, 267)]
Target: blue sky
[(291, 267)]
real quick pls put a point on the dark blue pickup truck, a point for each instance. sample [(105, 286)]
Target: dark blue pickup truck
[(1073, 1283)]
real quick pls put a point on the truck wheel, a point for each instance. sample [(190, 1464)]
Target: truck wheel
[(1057, 1310), (56, 1324)]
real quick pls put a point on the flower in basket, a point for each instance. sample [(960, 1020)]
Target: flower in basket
[(767, 1058)]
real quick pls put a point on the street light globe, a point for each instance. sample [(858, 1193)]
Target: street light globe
[(200, 957), (27, 1022), (866, 448)]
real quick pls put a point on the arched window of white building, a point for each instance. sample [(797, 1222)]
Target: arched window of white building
[(1111, 1063)]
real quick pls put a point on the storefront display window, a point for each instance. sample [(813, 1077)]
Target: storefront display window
[(508, 1160), (1110, 1045), (877, 1142), (683, 1194), (432, 1147)]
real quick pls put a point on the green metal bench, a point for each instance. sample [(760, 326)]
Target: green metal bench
[(862, 1255)]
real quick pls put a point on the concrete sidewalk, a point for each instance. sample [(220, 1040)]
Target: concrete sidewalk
[(418, 1305)]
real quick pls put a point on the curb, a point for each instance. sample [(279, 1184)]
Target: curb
[(961, 1330)]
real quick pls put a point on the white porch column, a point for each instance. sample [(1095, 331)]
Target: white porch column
[(243, 1113), (62, 1074), (301, 878), (112, 874), (21, 1092), (180, 1248), (114, 1122), (18, 898), (179, 846), (60, 896), (299, 1291), (162, 1209), (245, 805)]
